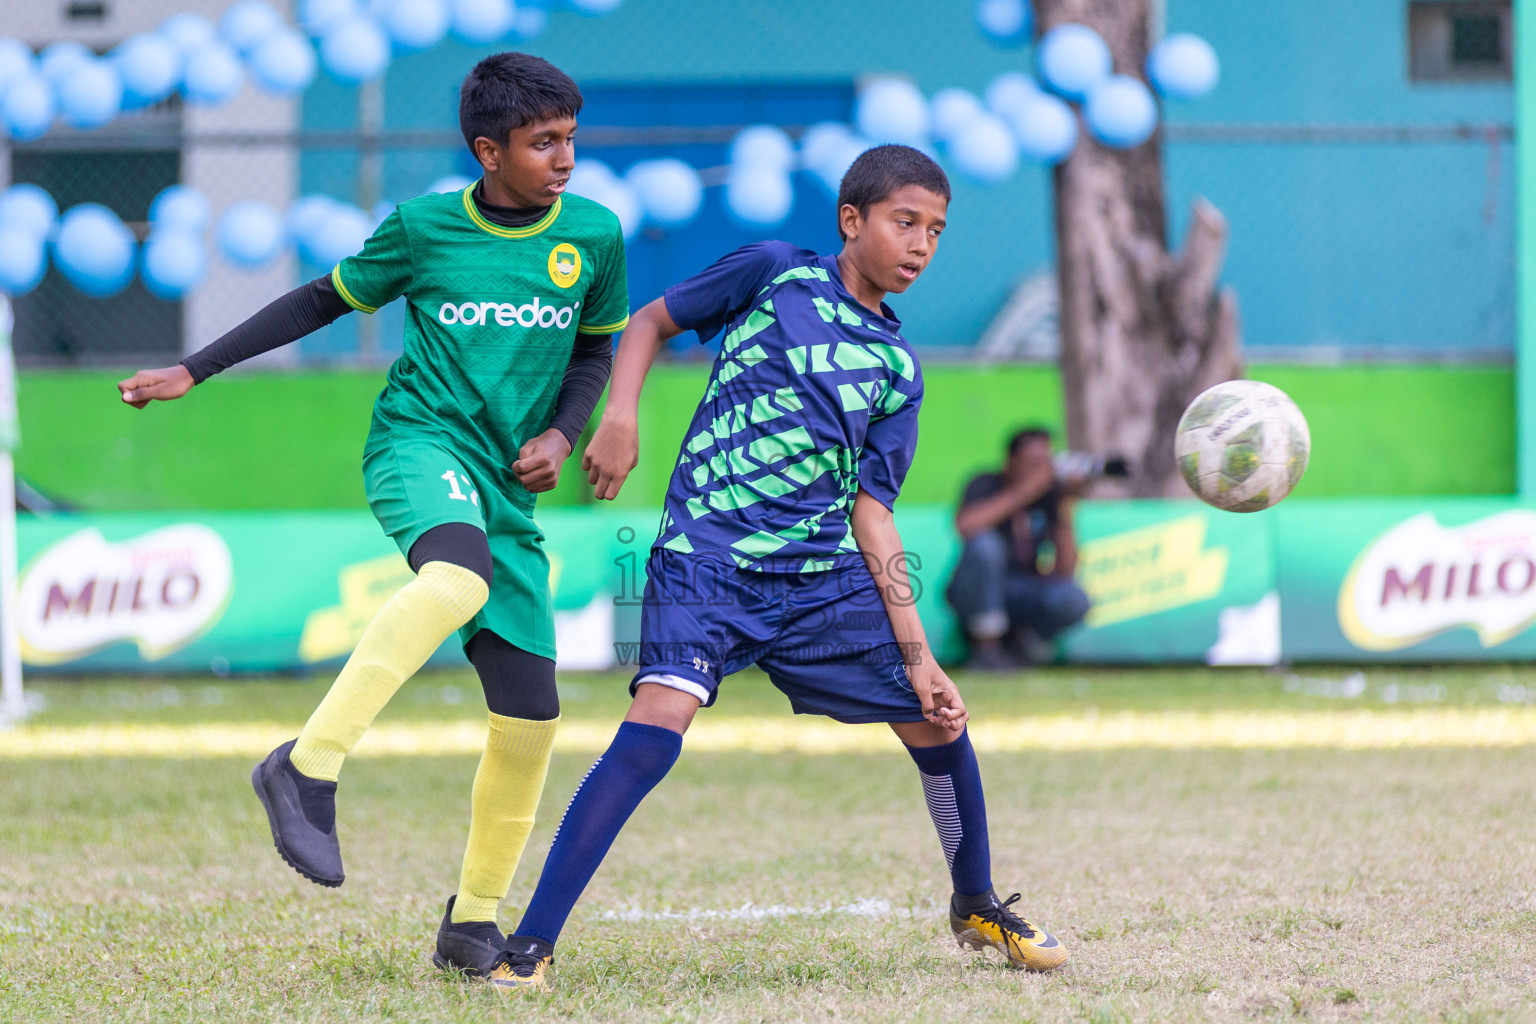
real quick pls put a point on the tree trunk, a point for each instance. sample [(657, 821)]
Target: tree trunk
[(1143, 331)]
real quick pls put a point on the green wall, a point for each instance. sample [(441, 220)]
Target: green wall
[(294, 440)]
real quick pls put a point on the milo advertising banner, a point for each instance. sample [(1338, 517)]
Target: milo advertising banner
[(1175, 581), (1449, 579)]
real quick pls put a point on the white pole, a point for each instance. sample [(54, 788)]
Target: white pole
[(13, 703)]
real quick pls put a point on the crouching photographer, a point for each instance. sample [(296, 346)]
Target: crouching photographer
[(1013, 589)]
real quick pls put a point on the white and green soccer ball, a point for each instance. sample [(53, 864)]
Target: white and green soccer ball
[(1242, 445)]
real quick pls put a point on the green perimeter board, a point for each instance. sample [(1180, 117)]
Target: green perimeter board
[(273, 440)]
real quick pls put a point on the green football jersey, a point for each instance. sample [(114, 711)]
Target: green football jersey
[(491, 316)]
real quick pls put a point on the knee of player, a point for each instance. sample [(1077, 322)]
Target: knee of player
[(461, 592), (1071, 603)]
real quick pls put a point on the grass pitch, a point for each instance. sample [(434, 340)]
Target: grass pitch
[(1211, 845)]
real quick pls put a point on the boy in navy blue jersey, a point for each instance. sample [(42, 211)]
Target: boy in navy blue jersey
[(777, 524)]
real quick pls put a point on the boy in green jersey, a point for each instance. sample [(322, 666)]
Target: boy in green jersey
[(513, 290)]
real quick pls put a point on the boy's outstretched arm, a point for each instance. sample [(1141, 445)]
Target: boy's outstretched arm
[(615, 447), (302, 311), (874, 530)]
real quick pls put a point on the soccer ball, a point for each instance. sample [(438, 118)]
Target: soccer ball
[(1242, 445)]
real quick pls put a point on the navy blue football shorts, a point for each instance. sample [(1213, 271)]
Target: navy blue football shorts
[(824, 638)]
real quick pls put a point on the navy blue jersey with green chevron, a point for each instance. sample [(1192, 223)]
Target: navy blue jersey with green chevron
[(812, 397)]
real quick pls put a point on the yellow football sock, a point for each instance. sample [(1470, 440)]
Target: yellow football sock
[(399, 640), (506, 795)]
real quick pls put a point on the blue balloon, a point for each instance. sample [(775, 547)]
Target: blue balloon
[(94, 250), (1046, 129), (1073, 58), (530, 22), (188, 31), (1121, 112), (23, 261), (416, 24), (91, 96), (214, 75), (357, 50), (320, 16), (29, 107), (1183, 67), (15, 61), (670, 191), (59, 60), (173, 263), (951, 110), (985, 150), (284, 63), (759, 196), (30, 207), (482, 21), (250, 234), (150, 66), (1009, 91), (763, 145), (179, 208), (892, 110), (1005, 21), (341, 234), (250, 23)]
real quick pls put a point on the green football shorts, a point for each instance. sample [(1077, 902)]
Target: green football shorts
[(416, 485)]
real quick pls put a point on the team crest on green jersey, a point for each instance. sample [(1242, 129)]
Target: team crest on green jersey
[(564, 264)]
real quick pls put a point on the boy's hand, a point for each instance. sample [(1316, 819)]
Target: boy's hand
[(941, 698), (150, 385), (612, 453), (538, 462)]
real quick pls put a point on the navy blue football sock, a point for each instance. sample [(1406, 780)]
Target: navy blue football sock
[(952, 787), (639, 757)]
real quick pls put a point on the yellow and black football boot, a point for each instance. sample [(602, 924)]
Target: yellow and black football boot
[(984, 920), (521, 966)]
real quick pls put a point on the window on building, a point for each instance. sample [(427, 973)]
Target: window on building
[(1460, 41)]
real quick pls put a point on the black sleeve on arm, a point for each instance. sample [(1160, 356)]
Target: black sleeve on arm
[(585, 377), (302, 311)]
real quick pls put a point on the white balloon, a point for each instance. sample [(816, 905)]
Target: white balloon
[(1073, 58), (188, 31), (839, 160), (951, 110), (1005, 21), (670, 191), (179, 208), (28, 207), (249, 23), (16, 61), (173, 263), (892, 110), (1046, 129), (304, 218), (986, 150), (356, 50), (250, 234), (339, 235), (621, 197), (1121, 112), (758, 195), (91, 95), (284, 63), (23, 261), (589, 178), (823, 141), (320, 16), (1183, 66), (151, 67), (416, 24), (1009, 91), (763, 145), (482, 21), (214, 75)]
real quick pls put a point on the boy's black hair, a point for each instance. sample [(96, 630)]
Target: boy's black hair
[(1027, 435), (508, 90), (881, 171)]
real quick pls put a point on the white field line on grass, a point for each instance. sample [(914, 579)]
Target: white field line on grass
[(1166, 730), (866, 907)]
